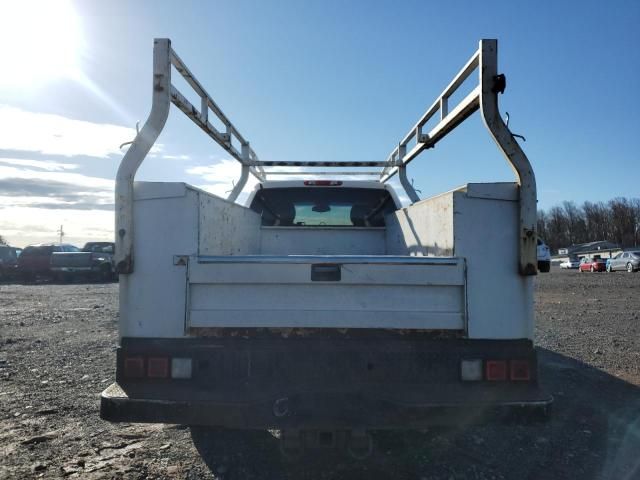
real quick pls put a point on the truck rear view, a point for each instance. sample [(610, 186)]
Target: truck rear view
[(323, 305)]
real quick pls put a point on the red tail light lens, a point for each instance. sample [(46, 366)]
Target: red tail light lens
[(520, 370), (141, 366), (496, 370), (158, 367), (134, 367)]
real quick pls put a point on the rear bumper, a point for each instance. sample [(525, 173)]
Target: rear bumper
[(324, 410), (373, 381)]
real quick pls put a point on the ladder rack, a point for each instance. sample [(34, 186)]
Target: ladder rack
[(483, 97)]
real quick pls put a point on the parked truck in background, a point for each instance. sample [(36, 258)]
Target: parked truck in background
[(94, 261), (35, 260), (321, 304), (9, 262)]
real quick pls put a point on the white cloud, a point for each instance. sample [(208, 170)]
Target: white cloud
[(222, 172), (220, 177), (36, 197), (57, 135), (50, 166), (23, 225), (176, 157), (155, 151), (79, 180), (23, 187)]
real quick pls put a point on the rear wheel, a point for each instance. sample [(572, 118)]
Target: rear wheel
[(105, 273), (629, 267), (592, 269), (28, 277), (63, 277)]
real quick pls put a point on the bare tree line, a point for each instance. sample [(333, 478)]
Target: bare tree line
[(617, 221)]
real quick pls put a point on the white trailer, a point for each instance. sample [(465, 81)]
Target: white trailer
[(324, 304)]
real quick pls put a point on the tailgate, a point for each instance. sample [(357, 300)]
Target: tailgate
[(327, 291), (71, 259)]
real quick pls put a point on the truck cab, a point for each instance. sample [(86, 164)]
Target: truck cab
[(322, 303)]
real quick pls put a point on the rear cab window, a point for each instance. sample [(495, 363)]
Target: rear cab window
[(323, 206)]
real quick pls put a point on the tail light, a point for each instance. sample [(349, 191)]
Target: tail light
[(134, 367), (496, 370), (519, 370), (157, 367)]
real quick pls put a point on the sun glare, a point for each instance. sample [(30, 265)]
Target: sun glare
[(40, 41)]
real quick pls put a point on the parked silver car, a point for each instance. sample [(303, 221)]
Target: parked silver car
[(629, 261)]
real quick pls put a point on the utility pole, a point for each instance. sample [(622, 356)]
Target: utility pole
[(61, 233)]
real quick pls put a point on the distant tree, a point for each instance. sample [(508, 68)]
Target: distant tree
[(543, 220), (635, 205), (557, 228), (616, 221), (575, 224), (598, 221), (623, 221)]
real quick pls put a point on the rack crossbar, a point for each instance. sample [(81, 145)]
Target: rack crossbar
[(316, 164), (308, 172)]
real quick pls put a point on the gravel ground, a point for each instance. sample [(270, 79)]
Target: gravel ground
[(57, 354)]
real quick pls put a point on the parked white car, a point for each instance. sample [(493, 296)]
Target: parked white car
[(571, 263), (544, 257)]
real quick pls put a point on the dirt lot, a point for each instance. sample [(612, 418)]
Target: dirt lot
[(57, 354)]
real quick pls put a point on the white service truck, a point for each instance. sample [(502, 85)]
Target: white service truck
[(323, 305)]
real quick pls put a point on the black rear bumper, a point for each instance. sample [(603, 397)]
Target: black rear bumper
[(310, 383), (321, 411)]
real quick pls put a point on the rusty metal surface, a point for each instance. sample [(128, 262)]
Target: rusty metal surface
[(136, 154), (492, 84)]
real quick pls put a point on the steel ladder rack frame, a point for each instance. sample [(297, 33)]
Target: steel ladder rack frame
[(483, 97)]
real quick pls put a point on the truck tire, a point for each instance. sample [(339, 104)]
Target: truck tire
[(105, 274), (27, 277), (61, 278), (544, 267)]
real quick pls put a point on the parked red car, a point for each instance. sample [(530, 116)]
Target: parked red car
[(589, 264)]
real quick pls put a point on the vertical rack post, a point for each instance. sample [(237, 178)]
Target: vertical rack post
[(492, 84)]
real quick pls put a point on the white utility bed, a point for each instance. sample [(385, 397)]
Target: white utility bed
[(444, 263)]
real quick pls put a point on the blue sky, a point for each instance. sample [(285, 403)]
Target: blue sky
[(316, 81)]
